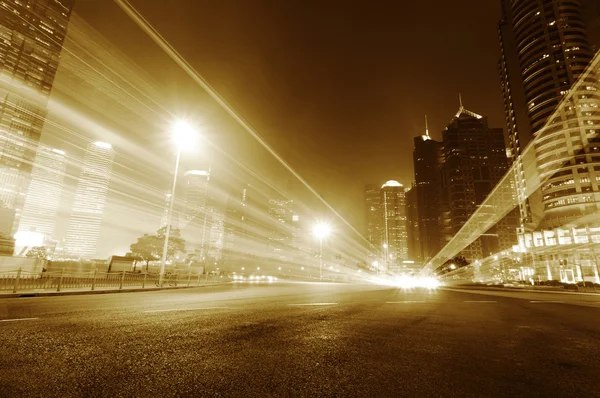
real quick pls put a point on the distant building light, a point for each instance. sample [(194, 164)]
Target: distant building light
[(392, 183), (103, 145), (295, 218), (196, 173)]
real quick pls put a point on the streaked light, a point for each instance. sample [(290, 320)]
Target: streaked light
[(196, 173), (103, 145)]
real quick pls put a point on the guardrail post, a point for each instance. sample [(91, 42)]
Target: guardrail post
[(189, 276), (17, 280), (144, 280), (60, 280), (122, 279), (94, 280)]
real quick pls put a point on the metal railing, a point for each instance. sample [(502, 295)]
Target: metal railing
[(22, 281)]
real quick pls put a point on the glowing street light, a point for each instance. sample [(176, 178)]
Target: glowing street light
[(321, 231), (184, 136)]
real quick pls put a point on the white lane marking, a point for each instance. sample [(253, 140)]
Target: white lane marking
[(18, 319), (480, 301), (545, 302), (404, 302), (186, 309), (309, 304)]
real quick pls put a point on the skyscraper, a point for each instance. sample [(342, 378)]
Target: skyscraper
[(393, 206), (215, 234), (544, 51), (412, 225), (194, 225), (374, 216), (32, 33), (474, 161), (40, 212), (84, 226), (427, 157)]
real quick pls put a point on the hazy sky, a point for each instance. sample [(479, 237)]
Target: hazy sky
[(338, 88)]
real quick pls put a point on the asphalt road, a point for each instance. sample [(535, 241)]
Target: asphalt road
[(300, 340)]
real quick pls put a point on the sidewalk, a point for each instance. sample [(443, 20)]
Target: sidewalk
[(519, 289), (99, 290)]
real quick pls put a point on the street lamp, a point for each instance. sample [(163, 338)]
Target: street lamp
[(321, 231), (183, 135)]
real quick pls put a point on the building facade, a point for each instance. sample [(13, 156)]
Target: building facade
[(84, 226), (40, 213), (413, 236), (474, 161), (193, 221), (373, 214), (32, 34), (395, 239), (544, 51), (427, 158)]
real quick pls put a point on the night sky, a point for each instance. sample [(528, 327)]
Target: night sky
[(338, 88)]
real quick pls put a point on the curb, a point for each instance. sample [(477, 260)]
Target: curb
[(88, 292)]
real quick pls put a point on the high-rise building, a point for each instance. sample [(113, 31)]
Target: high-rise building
[(474, 161), (85, 223), (413, 236), (42, 204), (32, 34), (544, 52), (247, 223), (215, 234), (374, 216), (427, 157), (393, 206), (281, 211), (194, 224)]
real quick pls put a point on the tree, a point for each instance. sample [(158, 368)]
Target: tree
[(37, 252), (176, 242), (150, 247)]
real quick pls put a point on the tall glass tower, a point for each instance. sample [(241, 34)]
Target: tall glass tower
[(32, 33), (84, 226), (544, 52), (40, 212)]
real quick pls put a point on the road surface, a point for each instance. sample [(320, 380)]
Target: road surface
[(300, 340)]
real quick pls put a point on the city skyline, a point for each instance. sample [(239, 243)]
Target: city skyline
[(299, 198), (121, 188)]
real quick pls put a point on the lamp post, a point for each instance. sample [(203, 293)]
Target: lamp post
[(183, 135), (321, 231)]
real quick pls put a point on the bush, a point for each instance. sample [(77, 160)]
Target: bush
[(570, 286)]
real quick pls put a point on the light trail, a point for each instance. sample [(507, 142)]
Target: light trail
[(179, 60)]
